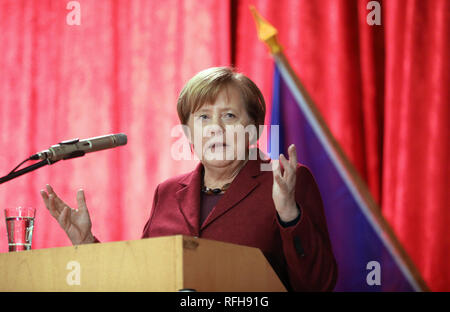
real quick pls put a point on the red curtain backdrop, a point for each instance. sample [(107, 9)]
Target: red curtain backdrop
[(383, 91), (119, 71)]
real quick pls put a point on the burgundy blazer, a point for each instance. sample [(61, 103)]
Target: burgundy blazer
[(300, 254)]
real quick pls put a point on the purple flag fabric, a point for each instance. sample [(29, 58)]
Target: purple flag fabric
[(366, 260)]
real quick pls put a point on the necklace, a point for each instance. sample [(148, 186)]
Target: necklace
[(215, 191)]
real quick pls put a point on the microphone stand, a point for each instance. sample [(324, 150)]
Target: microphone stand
[(20, 172)]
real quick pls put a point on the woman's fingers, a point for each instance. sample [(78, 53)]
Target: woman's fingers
[(289, 165), (289, 170), (52, 206), (286, 166), (64, 218), (277, 176), (292, 152), (50, 189), (49, 205), (44, 198), (81, 200), (281, 183), (59, 204), (276, 167)]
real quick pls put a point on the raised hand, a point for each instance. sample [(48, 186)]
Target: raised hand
[(283, 191), (75, 222)]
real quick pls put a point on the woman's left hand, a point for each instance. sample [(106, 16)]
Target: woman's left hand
[(283, 191)]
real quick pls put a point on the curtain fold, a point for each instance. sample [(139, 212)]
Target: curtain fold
[(417, 131)]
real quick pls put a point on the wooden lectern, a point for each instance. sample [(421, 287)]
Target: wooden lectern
[(169, 263)]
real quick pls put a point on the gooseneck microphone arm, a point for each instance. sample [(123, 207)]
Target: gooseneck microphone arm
[(18, 173), (68, 150)]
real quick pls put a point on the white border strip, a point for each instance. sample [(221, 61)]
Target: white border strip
[(344, 174)]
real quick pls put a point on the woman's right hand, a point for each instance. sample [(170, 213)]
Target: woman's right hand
[(75, 222)]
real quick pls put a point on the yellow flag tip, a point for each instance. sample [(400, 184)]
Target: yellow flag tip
[(266, 32)]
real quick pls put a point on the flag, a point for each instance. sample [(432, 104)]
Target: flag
[(368, 255)]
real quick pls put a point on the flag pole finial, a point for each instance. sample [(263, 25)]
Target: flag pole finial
[(266, 32)]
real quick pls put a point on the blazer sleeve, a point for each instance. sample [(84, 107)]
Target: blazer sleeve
[(145, 232), (310, 262)]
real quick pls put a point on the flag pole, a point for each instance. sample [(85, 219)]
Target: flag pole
[(268, 34)]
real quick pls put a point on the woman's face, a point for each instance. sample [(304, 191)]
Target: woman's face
[(218, 129)]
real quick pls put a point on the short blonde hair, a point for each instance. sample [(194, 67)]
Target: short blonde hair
[(206, 85)]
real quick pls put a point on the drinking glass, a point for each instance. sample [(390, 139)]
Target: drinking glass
[(19, 225)]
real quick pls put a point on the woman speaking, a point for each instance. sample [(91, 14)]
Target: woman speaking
[(228, 197)]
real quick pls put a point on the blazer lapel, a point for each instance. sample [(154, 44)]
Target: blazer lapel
[(188, 197), (243, 184)]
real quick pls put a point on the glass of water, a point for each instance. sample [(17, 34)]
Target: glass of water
[(19, 225)]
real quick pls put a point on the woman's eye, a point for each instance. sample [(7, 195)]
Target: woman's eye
[(229, 115), (202, 116)]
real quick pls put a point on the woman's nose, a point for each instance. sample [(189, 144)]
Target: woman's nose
[(215, 129), (216, 125)]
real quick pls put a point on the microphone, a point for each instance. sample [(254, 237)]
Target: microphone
[(76, 148)]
